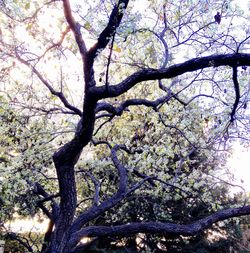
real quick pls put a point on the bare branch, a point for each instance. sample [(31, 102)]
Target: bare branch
[(242, 43), (142, 175), (95, 211), (139, 184), (108, 63), (207, 96), (7, 12), (22, 241), (60, 95), (177, 129), (57, 44), (104, 123)]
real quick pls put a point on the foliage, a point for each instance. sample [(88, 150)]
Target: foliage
[(25, 159), (117, 120)]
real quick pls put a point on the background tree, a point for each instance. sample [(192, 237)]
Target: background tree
[(88, 70)]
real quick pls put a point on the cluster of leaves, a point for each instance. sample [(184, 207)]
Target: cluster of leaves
[(170, 131), (25, 160)]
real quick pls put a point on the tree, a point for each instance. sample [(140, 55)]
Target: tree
[(173, 58)]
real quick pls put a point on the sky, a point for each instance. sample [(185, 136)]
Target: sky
[(239, 165)]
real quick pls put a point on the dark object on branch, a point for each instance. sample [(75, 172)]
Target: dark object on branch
[(217, 18)]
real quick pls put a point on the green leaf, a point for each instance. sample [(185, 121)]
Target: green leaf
[(27, 6)]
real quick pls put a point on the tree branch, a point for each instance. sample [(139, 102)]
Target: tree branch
[(109, 31), (237, 93), (75, 27), (109, 61), (19, 239), (60, 95), (170, 72), (97, 185), (95, 211), (130, 102), (159, 227), (39, 190), (121, 171)]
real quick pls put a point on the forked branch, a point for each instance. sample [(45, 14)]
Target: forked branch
[(58, 94)]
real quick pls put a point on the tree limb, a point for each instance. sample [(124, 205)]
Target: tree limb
[(39, 190), (75, 27), (60, 95), (57, 44), (95, 211), (159, 227), (19, 239), (170, 72), (237, 93), (109, 31), (130, 102)]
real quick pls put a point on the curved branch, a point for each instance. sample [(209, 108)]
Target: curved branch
[(23, 241), (160, 227), (57, 44), (60, 95), (207, 96), (170, 72), (7, 12), (237, 93), (170, 93), (242, 42), (104, 123), (178, 130), (130, 102)]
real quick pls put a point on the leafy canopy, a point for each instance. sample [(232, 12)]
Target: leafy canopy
[(118, 118)]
